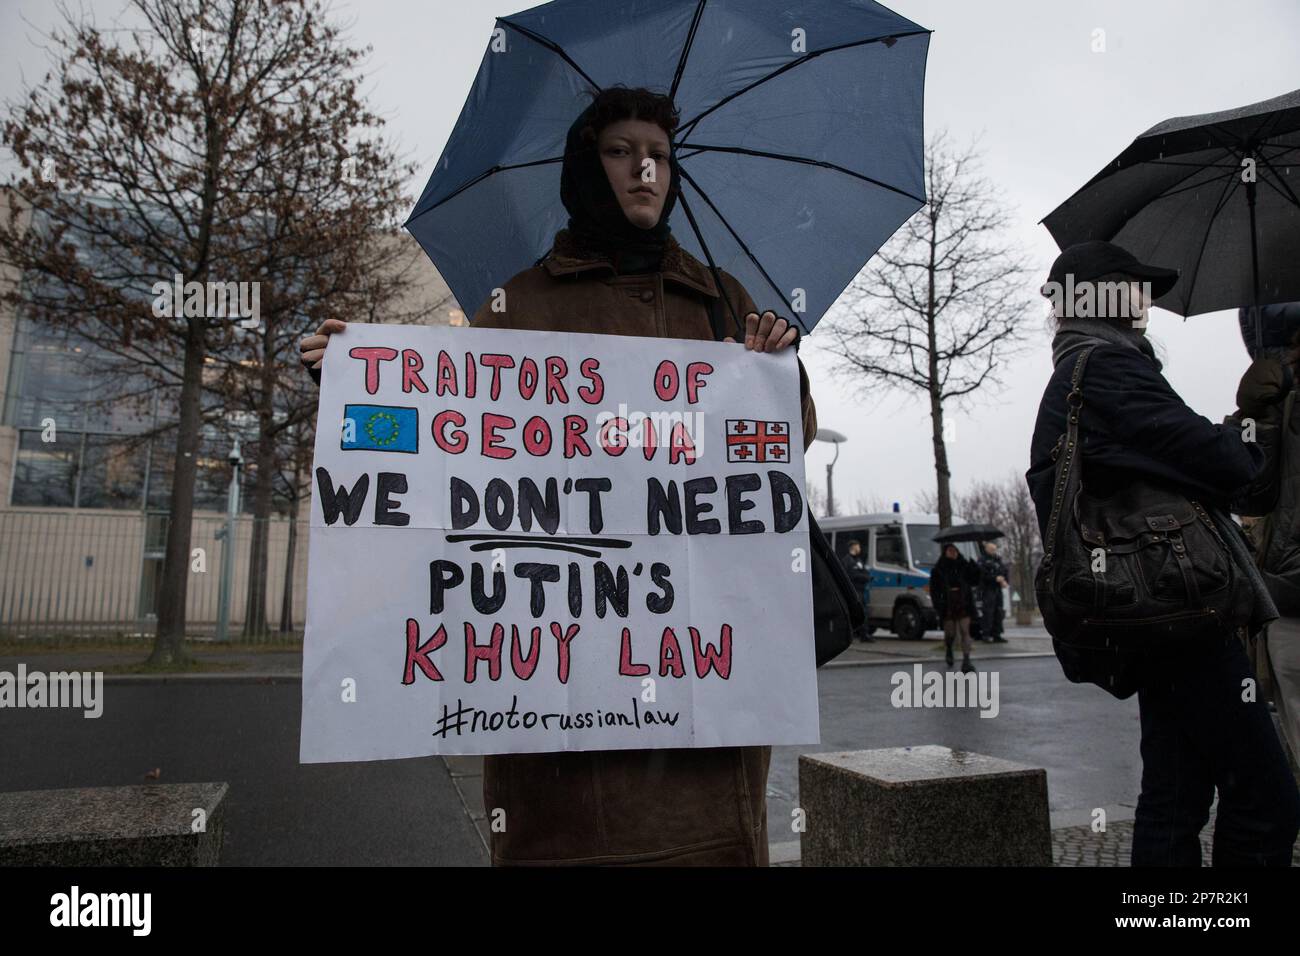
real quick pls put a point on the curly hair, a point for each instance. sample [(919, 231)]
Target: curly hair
[(620, 103)]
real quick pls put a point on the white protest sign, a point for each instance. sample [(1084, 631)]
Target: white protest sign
[(541, 541)]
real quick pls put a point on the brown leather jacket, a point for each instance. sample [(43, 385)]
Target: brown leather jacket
[(641, 807)]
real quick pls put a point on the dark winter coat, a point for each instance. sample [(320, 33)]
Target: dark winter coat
[(991, 568), (952, 587), (1266, 397), (856, 569), (649, 807), (1133, 423)]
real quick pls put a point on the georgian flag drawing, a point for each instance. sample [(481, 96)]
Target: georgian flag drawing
[(754, 441)]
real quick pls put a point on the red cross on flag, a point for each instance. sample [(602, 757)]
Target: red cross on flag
[(753, 441)]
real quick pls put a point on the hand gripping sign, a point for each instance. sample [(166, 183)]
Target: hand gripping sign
[(539, 541)]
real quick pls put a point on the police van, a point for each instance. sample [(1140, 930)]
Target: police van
[(899, 550)]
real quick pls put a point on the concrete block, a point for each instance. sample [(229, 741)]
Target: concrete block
[(113, 826), (922, 806)]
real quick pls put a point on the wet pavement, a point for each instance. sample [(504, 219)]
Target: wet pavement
[(241, 726)]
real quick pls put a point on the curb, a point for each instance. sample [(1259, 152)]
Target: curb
[(288, 676), (931, 660), (281, 677)]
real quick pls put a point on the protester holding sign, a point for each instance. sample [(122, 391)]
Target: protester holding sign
[(616, 270)]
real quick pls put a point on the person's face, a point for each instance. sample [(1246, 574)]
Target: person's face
[(950, 552), (635, 156), (855, 549), (990, 548)]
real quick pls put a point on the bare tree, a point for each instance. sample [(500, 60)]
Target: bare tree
[(328, 251), (982, 504), (293, 487), (941, 306), (816, 500), (925, 501), (1020, 522), (1007, 506), (868, 504), (162, 140)]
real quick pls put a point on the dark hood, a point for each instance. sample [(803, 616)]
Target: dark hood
[(596, 220)]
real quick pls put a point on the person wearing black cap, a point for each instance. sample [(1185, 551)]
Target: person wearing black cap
[(1199, 733), (1102, 281), (616, 269)]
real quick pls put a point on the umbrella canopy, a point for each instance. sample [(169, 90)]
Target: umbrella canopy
[(1211, 195), (800, 147), (968, 532)]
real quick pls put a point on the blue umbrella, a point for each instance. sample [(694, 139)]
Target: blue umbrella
[(800, 148)]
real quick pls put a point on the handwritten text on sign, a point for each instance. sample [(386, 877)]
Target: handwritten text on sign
[(528, 541)]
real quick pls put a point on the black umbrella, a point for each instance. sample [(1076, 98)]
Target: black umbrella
[(1211, 195), (968, 532)]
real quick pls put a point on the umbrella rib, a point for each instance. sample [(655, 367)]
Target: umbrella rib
[(806, 161), (1180, 186), (713, 266), (1209, 226), (479, 178), (744, 247), (686, 49), (690, 125), (1281, 186), (1257, 151), (1170, 162), (1268, 119), (1237, 145), (1183, 186), (550, 45)]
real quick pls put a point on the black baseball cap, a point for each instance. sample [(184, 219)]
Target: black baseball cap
[(1090, 261)]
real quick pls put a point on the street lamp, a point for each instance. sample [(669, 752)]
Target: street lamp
[(835, 438)]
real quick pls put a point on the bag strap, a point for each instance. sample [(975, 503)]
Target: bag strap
[(1067, 478)]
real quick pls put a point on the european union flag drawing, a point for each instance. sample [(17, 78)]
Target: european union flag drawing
[(381, 428)]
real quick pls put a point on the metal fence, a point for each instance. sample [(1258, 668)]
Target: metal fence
[(98, 573)]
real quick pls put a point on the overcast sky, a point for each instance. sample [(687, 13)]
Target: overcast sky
[(1020, 74)]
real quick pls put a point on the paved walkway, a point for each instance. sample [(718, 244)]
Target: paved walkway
[(231, 660), (1073, 844), (467, 775), (887, 649), (1073, 841), (1079, 846)]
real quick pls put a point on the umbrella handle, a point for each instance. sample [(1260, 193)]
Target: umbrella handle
[(1254, 269)]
